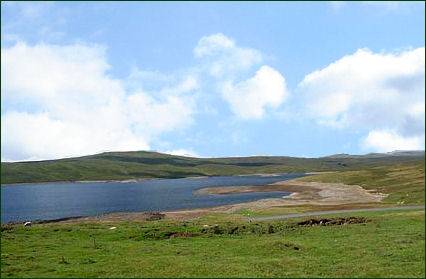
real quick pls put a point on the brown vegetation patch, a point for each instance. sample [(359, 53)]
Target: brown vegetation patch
[(333, 221), (6, 227)]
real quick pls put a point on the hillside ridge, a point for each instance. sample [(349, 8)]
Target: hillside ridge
[(147, 164)]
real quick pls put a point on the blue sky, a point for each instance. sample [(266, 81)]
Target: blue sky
[(211, 78)]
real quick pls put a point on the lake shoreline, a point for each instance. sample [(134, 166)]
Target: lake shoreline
[(302, 194), (79, 181), (136, 180), (103, 198)]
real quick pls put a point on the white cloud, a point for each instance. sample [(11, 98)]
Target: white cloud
[(38, 136), (68, 91), (50, 73), (153, 117), (64, 103), (370, 91), (250, 98), (389, 140), (223, 57), (231, 66), (213, 44)]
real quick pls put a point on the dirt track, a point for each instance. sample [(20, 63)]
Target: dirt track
[(319, 213)]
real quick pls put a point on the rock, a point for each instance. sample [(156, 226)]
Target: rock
[(216, 229), (154, 216)]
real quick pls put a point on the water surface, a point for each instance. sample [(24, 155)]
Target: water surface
[(45, 201)]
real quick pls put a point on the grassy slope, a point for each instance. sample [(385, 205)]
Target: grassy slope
[(403, 182), (390, 245), (129, 165)]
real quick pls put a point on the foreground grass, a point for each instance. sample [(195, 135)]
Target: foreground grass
[(389, 245), (403, 182)]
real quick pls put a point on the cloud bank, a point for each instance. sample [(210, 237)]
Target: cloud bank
[(379, 92), (61, 100)]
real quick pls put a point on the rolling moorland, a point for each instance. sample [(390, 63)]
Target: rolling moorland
[(226, 244), (141, 164)]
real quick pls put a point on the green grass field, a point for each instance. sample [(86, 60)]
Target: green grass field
[(388, 245)]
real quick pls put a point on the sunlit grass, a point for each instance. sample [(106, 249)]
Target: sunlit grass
[(389, 245)]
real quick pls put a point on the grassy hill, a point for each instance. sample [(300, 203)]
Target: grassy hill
[(142, 164)]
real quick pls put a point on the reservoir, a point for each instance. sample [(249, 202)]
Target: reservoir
[(53, 200)]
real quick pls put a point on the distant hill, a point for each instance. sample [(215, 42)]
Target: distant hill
[(397, 153), (142, 164)]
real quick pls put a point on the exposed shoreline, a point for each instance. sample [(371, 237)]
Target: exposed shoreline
[(302, 194)]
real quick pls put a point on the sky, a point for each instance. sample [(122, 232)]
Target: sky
[(211, 79)]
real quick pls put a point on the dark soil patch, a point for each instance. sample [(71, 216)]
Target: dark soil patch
[(57, 220), (333, 221), (287, 246)]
